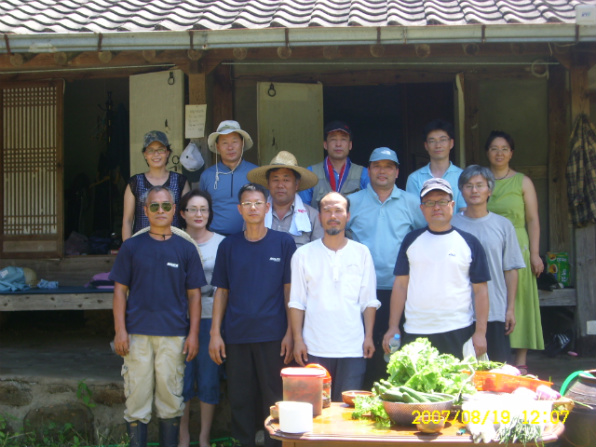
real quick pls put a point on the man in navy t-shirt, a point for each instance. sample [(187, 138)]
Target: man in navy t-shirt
[(157, 308), (252, 276), (441, 280)]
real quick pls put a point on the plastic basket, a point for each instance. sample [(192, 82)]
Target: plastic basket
[(504, 383)]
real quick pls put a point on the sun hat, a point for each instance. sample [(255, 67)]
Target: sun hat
[(226, 127), (383, 153), (335, 126), (155, 135), (283, 159), (434, 184)]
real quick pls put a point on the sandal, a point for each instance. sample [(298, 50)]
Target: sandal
[(523, 369)]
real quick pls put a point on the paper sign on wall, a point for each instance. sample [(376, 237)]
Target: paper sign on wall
[(196, 115)]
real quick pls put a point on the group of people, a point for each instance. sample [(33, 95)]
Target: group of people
[(283, 265)]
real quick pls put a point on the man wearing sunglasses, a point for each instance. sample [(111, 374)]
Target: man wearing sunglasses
[(252, 276), (157, 309), (441, 280)]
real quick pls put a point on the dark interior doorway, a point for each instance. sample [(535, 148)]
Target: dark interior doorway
[(392, 116)]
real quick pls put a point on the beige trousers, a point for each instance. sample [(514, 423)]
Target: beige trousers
[(154, 364)]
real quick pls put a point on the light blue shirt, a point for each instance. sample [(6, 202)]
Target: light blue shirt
[(224, 192), (417, 178), (306, 195), (382, 227)]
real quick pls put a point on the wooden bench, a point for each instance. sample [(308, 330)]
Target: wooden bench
[(558, 297), (72, 273)]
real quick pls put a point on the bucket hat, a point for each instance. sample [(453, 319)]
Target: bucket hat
[(226, 127)]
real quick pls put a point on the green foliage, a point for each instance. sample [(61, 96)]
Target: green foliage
[(84, 394), (52, 436)]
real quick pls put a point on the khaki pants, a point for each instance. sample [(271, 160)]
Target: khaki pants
[(153, 364)]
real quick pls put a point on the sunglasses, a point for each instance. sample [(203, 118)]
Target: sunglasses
[(154, 206)]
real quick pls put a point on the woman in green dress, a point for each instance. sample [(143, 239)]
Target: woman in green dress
[(514, 197)]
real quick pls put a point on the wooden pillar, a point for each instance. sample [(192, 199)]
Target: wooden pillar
[(585, 238), (223, 94), (197, 94), (472, 122), (558, 153)]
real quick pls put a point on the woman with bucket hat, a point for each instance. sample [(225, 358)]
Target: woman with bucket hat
[(227, 176)]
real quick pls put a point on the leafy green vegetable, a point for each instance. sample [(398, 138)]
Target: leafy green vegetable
[(520, 431), (370, 405)]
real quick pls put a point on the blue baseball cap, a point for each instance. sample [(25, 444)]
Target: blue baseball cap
[(383, 153)]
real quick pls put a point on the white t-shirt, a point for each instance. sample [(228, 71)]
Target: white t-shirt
[(442, 268), (498, 238), (208, 253), (333, 288)]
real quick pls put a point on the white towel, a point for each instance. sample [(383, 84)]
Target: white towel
[(300, 221)]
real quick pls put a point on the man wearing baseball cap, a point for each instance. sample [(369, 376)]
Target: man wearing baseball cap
[(381, 216), (284, 178), (441, 280), (224, 179), (337, 172)]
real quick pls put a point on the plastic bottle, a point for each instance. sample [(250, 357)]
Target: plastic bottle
[(394, 345)]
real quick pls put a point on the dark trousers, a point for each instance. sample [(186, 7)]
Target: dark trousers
[(376, 367), (254, 382), (451, 342), (346, 373), (498, 347)]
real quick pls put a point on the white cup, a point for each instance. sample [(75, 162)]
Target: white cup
[(295, 417)]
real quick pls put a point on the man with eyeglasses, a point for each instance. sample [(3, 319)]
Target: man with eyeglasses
[(333, 300), (157, 309), (498, 238), (381, 216), (441, 276), (252, 276), (284, 178), (438, 141)]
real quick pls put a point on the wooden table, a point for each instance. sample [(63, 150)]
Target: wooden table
[(336, 428)]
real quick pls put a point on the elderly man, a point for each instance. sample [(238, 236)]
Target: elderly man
[(337, 172), (438, 142), (381, 215), (497, 236), (441, 280), (157, 309), (333, 302), (252, 276), (224, 179), (284, 178)]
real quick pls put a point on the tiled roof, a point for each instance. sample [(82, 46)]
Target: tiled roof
[(105, 16)]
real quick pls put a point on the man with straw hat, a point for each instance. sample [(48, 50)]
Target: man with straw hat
[(226, 177), (284, 178)]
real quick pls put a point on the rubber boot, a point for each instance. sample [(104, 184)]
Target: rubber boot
[(137, 433), (168, 432)]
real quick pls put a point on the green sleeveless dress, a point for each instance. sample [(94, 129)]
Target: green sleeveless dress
[(507, 200)]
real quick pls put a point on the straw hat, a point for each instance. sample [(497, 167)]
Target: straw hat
[(283, 159), (226, 127)]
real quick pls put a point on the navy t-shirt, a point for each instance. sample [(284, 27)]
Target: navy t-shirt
[(158, 274), (255, 274)]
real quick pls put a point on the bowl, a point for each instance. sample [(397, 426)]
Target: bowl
[(348, 396), (402, 413), (431, 425)]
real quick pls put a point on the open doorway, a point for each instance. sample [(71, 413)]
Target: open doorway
[(392, 116)]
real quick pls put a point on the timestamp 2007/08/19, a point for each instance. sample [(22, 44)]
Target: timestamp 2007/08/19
[(504, 417)]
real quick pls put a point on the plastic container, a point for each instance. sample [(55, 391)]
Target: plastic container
[(504, 383), (304, 385), (295, 417), (326, 384), (394, 345)]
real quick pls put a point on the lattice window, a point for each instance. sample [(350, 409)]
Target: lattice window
[(31, 168)]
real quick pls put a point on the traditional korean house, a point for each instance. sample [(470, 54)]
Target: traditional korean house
[(81, 82)]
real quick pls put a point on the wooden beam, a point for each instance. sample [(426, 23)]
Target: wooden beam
[(585, 238), (558, 153)]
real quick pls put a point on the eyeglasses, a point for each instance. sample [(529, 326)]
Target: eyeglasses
[(442, 140), (159, 151), (154, 206), (432, 203), (258, 204), (197, 210)]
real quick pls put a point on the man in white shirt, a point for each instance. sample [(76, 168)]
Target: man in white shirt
[(333, 300)]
